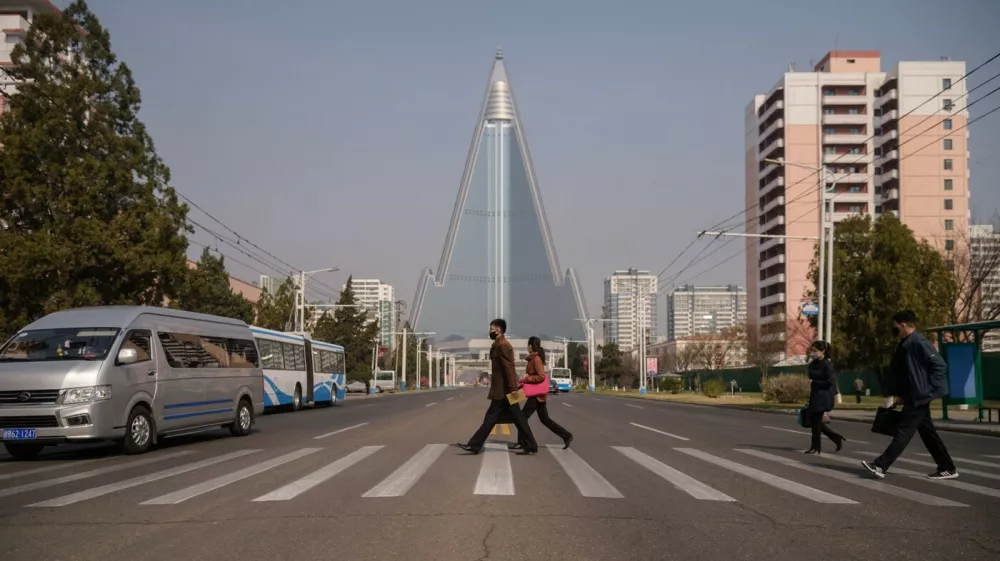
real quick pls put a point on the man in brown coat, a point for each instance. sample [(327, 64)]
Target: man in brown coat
[(503, 382)]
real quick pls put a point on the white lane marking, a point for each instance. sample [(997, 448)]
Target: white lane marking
[(633, 406), (88, 474), (968, 461), (223, 480), (971, 488), (566, 404), (808, 433), (769, 479), (35, 471), (495, 477), (597, 399), (685, 483), (587, 480), (296, 488), (963, 471), (338, 431), (450, 398), (141, 480), (858, 480), (431, 403), (659, 431), (407, 475), (988, 456)]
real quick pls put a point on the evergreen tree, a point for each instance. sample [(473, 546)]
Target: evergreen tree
[(86, 214), (612, 364), (206, 289), (273, 311)]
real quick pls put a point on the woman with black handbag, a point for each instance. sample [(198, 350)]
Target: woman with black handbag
[(823, 386)]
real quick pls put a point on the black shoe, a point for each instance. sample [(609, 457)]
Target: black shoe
[(943, 474), (566, 441), (812, 451), (468, 448), (527, 452), (840, 443), (514, 446)]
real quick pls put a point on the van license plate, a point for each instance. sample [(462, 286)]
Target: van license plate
[(18, 434)]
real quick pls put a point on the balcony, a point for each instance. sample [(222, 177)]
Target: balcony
[(13, 24), (779, 143), (777, 106), (769, 337), (778, 201), (886, 97), (768, 243), (889, 116), (772, 224), (776, 182), (845, 100), (767, 170), (773, 318), (776, 260), (849, 197), (891, 135), (890, 194), (847, 158), (840, 216), (774, 126), (860, 119), (888, 176), (771, 280), (773, 299), (851, 177), (845, 138)]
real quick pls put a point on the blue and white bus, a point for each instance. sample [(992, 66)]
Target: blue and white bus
[(298, 370), (563, 378)]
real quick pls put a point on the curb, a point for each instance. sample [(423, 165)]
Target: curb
[(939, 427)]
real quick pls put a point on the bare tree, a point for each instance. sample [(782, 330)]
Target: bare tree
[(975, 264), (689, 354), (762, 352), (725, 349)]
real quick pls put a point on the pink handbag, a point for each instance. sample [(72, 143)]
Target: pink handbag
[(541, 388)]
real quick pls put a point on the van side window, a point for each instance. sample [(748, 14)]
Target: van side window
[(242, 353), (139, 340), (184, 350)]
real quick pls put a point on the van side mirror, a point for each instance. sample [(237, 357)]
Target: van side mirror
[(128, 356)]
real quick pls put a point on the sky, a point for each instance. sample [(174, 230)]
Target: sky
[(334, 133)]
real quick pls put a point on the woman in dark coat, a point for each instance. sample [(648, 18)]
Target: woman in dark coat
[(535, 374), (823, 388)]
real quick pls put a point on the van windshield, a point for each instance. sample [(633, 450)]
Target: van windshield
[(88, 343)]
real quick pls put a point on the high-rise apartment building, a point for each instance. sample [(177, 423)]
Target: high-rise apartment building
[(881, 137), (630, 303), (705, 310), (984, 258), (15, 18), (379, 300)]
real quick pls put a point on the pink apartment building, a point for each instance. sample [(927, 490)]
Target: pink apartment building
[(847, 115)]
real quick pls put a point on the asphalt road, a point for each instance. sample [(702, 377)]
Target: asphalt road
[(379, 478)]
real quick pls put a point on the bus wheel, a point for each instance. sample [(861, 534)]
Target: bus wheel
[(244, 419), (297, 398), (333, 396), (138, 431), (23, 450)]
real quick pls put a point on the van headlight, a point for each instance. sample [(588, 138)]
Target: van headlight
[(89, 394)]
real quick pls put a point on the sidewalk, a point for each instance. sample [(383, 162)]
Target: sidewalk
[(958, 421)]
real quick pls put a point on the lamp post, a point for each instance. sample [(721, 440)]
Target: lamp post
[(300, 297), (404, 332), (591, 386)]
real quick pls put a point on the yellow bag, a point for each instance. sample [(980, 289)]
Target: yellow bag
[(516, 397)]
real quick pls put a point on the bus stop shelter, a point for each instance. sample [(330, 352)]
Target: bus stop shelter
[(961, 346)]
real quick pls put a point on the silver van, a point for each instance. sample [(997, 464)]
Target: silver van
[(130, 374)]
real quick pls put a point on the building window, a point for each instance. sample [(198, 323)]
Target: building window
[(853, 92), (829, 111), (949, 224), (948, 105), (947, 144), (829, 91), (878, 170), (949, 245), (946, 84), (947, 124), (829, 130), (855, 189), (948, 185), (949, 204), (855, 208), (854, 150), (878, 111), (853, 111), (830, 149), (878, 131), (878, 151), (948, 164)]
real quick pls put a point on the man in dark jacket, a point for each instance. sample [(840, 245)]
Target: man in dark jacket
[(917, 375), (503, 382)]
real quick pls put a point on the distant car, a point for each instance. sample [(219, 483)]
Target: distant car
[(356, 387), (553, 386)]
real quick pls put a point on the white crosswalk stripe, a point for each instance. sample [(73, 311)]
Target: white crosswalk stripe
[(858, 480), (664, 433), (495, 476), (296, 488), (141, 480), (685, 483), (92, 473), (223, 480), (962, 471), (35, 471), (401, 480), (587, 480), (968, 461), (978, 489), (769, 479)]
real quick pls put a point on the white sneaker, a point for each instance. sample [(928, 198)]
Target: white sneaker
[(876, 471)]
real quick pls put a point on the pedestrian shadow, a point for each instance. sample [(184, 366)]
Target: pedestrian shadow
[(860, 470)]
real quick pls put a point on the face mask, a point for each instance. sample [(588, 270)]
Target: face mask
[(493, 334)]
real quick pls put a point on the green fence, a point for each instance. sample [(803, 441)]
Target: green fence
[(991, 375)]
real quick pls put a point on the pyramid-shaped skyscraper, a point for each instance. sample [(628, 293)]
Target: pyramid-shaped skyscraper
[(499, 259)]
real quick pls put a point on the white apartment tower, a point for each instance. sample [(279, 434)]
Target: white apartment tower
[(630, 303), (984, 258), (882, 151), (378, 299), (705, 310)]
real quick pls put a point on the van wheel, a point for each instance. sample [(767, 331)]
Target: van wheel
[(23, 450), (139, 431), (297, 398), (244, 419)]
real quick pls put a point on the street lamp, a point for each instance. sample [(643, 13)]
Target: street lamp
[(300, 297), (402, 378), (591, 387)]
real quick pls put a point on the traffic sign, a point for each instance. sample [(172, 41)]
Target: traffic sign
[(810, 309)]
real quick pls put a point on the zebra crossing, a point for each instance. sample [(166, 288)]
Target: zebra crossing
[(495, 475)]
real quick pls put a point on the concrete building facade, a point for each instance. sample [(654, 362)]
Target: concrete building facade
[(630, 302), (705, 310)]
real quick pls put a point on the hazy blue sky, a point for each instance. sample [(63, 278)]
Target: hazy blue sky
[(335, 132)]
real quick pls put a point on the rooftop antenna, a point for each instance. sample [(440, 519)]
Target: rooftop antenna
[(791, 67), (499, 53)]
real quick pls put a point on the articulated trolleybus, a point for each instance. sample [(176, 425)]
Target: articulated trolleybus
[(298, 370)]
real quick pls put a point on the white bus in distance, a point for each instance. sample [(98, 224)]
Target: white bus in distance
[(563, 378), (298, 370)]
